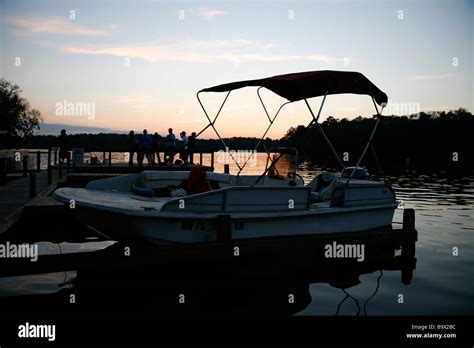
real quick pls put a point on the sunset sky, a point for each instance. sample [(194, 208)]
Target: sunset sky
[(141, 63)]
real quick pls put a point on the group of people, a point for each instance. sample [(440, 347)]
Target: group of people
[(149, 147)]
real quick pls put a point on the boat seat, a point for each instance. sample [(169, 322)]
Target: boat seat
[(322, 186)]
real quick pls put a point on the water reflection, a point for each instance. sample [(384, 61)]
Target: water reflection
[(270, 278)]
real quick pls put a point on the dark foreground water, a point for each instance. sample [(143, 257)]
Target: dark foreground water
[(441, 283)]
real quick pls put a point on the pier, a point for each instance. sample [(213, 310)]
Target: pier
[(29, 176)]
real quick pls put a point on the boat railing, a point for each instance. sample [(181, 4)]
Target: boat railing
[(243, 199)]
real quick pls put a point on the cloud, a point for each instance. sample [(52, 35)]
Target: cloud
[(235, 50), (209, 14), (29, 26), (431, 77)]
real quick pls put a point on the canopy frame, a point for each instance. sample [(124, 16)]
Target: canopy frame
[(315, 119)]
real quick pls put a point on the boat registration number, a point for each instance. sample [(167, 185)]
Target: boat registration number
[(205, 226)]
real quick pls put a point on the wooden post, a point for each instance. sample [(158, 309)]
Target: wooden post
[(68, 162), (226, 168), (408, 219), (55, 157), (50, 174), (25, 166), (224, 228), (3, 171), (38, 161), (110, 159), (200, 158), (32, 184), (103, 157), (212, 159), (192, 157)]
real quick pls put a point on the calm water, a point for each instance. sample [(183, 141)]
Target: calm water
[(441, 284)]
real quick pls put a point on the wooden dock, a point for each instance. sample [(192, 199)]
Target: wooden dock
[(118, 168), (17, 193), (27, 189)]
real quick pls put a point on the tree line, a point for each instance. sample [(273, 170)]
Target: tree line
[(435, 140)]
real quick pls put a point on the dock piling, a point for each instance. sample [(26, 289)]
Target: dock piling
[(409, 219), (25, 166), (3, 171), (224, 228), (38, 161), (50, 174), (32, 184)]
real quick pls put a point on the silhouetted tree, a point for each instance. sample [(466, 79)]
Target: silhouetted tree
[(16, 116)]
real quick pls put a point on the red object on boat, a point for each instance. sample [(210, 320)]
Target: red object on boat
[(197, 181)]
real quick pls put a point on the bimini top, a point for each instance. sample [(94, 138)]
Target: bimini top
[(310, 84)]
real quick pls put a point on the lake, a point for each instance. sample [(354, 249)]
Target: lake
[(441, 283)]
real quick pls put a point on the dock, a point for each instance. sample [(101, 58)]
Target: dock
[(29, 176), (20, 192)]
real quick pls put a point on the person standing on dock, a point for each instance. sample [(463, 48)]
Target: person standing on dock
[(183, 155), (63, 143), (170, 144), (191, 146), (132, 147), (156, 141), (145, 147)]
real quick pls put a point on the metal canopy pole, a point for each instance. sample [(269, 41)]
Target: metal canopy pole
[(211, 124), (315, 119), (319, 112), (369, 142), (266, 131)]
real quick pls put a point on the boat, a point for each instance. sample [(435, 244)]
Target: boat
[(189, 207)]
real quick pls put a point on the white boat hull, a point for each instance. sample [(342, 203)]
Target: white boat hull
[(167, 230), (229, 213)]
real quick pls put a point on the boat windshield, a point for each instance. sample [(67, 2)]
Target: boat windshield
[(281, 163)]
